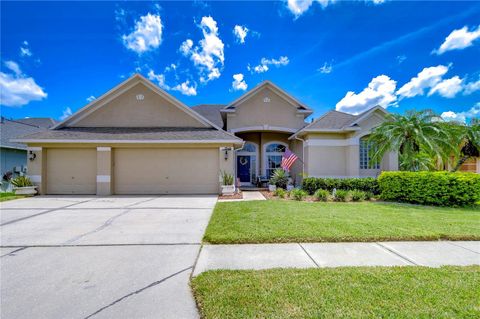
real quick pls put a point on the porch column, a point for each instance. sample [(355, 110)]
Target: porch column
[(36, 162), (104, 171)]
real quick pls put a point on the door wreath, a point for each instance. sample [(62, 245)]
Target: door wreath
[(243, 161)]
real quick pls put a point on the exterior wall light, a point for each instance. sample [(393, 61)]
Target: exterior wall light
[(31, 155), (226, 149)]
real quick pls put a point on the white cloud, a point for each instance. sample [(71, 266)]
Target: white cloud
[(239, 83), (208, 55), (426, 79), (25, 49), (448, 88), (459, 39), (298, 7), (240, 33), (159, 78), (66, 113), (16, 89), (185, 88), (326, 68), (472, 87), (147, 34), (462, 116), (264, 63), (401, 58), (380, 91), (91, 98)]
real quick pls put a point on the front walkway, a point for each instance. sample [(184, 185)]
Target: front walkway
[(247, 196), (306, 255)]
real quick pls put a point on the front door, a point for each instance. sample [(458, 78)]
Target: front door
[(243, 168)]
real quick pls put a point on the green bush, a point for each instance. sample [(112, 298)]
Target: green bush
[(279, 178), (368, 195), (280, 192), (227, 179), (366, 184), (357, 196), (21, 181), (430, 188), (322, 195), (341, 195), (298, 194)]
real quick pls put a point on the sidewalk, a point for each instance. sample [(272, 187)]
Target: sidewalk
[(247, 196), (306, 255)]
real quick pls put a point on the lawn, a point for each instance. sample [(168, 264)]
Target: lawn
[(367, 292), (274, 221), (9, 196)]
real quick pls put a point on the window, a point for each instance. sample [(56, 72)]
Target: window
[(273, 155), (365, 149)]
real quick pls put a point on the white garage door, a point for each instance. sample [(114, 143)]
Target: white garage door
[(71, 171), (166, 171)]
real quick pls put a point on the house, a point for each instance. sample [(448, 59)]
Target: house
[(14, 155), (138, 139)]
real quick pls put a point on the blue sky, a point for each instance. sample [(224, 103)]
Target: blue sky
[(344, 55)]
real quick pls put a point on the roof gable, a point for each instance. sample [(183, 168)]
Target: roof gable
[(136, 102)]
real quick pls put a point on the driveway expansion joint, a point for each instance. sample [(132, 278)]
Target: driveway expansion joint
[(311, 258), (473, 251)]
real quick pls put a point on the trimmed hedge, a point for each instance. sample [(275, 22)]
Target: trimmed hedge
[(366, 184), (430, 188)]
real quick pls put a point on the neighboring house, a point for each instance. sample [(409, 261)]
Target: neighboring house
[(14, 155), (138, 139)]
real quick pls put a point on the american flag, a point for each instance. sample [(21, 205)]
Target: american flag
[(288, 159)]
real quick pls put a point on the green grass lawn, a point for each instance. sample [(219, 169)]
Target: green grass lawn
[(366, 292), (274, 221), (9, 196)]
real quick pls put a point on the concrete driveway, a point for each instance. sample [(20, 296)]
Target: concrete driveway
[(100, 257)]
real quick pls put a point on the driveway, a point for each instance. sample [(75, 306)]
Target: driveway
[(100, 257)]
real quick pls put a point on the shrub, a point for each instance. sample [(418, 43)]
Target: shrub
[(21, 181), (357, 196), (366, 184), (280, 192), (341, 195), (227, 179), (322, 195), (430, 188), (298, 194), (279, 178), (368, 195)]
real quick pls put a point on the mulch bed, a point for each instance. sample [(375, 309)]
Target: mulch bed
[(237, 195)]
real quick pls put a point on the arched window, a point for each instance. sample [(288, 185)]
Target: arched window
[(365, 149), (273, 156)]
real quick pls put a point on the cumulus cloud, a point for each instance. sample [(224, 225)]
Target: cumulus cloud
[(208, 55), (448, 88), (326, 68), (380, 91), (66, 113), (426, 79), (264, 63), (240, 33), (472, 87), (186, 88), (459, 39), (239, 83), (159, 78), (91, 98), (17, 89), (450, 116), (25, 49), (147, 34), (299, 7)]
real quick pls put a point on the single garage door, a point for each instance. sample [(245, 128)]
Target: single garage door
[(166, 171), (71, 171)]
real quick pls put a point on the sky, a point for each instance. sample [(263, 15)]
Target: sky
[(56, 57)]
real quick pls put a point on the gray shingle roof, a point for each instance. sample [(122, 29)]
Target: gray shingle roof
[(11, 129), (131, 134), (211, 112), (334, 120), (38, 121)]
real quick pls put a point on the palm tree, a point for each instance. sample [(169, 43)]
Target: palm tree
[(414, 135), (467, 137)]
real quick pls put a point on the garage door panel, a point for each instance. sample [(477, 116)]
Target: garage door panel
[(71, 171), (166, 171)]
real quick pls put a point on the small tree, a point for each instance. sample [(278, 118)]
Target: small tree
[(467, 137)]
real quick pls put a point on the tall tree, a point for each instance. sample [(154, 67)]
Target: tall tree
[(467, 137), (414, 135)]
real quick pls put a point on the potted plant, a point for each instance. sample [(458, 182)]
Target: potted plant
[(228, 187), (23, 186), (279, 179)]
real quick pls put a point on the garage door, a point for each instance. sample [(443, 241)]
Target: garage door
[(166, 171), (71, 171)]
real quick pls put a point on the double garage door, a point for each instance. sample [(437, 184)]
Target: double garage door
[(135, 171)]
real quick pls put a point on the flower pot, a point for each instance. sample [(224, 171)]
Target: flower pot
[(272, 188), (290, 187), (27, 190), (228, 189)]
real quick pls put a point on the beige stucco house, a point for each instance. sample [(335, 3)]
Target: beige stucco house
[(138, 139)]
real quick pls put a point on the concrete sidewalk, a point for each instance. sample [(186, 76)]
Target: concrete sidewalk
[(263, 256)]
